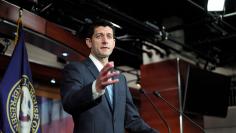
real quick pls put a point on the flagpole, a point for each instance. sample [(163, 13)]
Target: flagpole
[(20, 12), (19, 21)]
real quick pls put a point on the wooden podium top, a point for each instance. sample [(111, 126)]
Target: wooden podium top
[(163, 77)]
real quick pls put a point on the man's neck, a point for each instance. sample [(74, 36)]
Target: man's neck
[(104, 61)]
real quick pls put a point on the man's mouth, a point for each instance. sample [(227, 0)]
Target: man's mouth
[(105, 48)]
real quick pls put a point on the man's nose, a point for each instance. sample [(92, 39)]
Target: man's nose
[(104, 39)]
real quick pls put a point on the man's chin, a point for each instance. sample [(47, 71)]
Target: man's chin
[(105, 55)]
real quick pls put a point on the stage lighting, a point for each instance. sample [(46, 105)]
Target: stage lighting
[(215, 5)]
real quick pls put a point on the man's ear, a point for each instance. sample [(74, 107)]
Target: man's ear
[(88, 42)]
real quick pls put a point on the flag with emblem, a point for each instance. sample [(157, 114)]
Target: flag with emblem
[(19, 112)]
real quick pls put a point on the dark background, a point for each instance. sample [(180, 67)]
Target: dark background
[(175, 26)]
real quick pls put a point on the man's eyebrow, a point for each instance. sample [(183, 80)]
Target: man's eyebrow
[(103, 33)]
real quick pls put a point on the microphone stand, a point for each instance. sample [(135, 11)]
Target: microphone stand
[(156, 109), (157, 94)]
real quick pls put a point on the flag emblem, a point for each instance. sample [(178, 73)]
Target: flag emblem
[(22, 108)]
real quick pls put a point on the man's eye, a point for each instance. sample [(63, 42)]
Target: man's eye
[(110, 36), (99, 35)]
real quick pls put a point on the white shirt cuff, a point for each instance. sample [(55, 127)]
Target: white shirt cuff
[(94, 91)]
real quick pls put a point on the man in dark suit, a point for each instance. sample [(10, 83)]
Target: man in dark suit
[(97, 96)]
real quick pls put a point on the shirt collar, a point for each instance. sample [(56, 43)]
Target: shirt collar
[(97, 63)]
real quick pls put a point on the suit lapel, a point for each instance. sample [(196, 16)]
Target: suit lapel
[(94, 71), (92, 68)]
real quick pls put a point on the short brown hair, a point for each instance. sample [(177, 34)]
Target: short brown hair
[(101, 22)]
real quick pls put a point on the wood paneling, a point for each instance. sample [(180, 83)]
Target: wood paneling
[(61, 35), (47, 91), (162, 77), (42, 33), (11, 12)]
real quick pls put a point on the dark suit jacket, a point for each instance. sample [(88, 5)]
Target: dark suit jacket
[(98, 116)]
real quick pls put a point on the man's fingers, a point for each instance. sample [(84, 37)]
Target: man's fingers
[(107, 68), (108, 82), (107, 76), (110, 75)]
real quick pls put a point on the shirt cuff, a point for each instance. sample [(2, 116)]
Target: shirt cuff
[(96, 94)]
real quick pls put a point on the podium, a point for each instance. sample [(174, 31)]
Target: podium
[(168, 78)]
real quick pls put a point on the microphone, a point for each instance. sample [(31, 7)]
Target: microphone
[(141, 90), (158, 95)]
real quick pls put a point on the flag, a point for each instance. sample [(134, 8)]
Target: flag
[(19, 112)]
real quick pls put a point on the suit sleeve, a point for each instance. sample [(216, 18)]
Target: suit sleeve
[(76, 93), (133, 122)]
